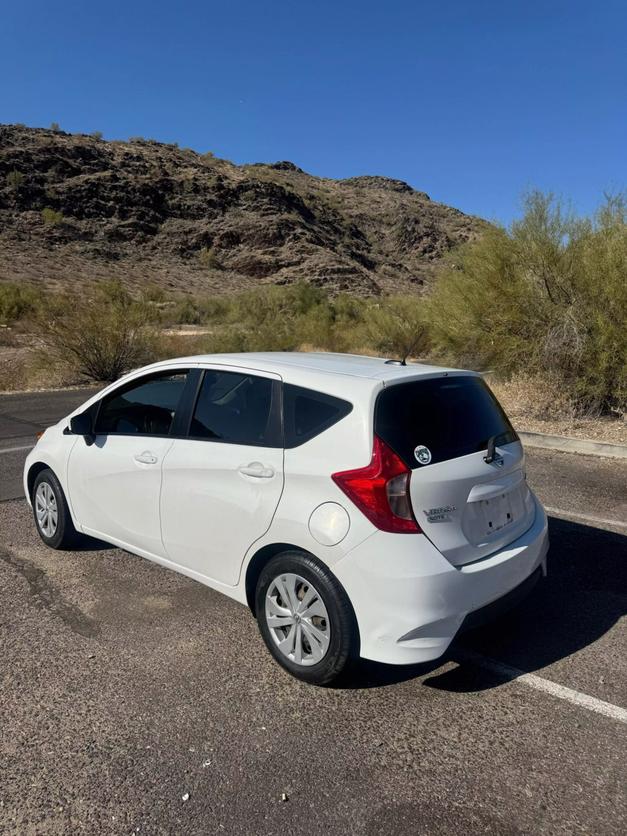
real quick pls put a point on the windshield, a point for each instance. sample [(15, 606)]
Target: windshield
[(450, 416)]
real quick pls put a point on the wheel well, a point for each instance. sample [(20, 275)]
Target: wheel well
[(259, 560), (33, 473)]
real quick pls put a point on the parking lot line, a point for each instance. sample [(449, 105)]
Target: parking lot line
[(17, 449), (540, 684), (570, 515)]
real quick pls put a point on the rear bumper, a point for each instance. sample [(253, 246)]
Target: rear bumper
[(410, 601), (497, 608)]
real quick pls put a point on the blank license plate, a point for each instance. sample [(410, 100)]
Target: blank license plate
[(498, 513)]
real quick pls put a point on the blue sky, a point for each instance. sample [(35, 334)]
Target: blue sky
[(472, 101)]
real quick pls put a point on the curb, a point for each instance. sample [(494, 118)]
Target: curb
[(574, 445)]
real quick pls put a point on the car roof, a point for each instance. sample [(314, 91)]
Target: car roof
[(290, 362)]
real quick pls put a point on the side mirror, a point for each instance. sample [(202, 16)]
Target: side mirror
[(82, 424)]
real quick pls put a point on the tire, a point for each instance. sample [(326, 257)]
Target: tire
[(55, 528), (320, 635)]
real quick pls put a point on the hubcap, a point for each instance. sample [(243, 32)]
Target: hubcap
[(46, 509), (298, 619)]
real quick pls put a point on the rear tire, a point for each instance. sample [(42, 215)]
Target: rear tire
[(305, 617), (52, 515)]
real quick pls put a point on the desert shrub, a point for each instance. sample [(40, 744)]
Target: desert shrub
[(14, 179), (17, 301), (154, 293), (186, 312), (54, 126), (273, 302), (208, 258), (96, 134), (51, 217), (396, 327), (102, 336), (194, 310), (178, 345), (547, 296), (283, 318)]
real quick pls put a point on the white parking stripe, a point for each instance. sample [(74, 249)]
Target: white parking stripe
[(17, 449), (568, 515), (540, 684)]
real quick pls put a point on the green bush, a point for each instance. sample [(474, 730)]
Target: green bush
[(103, 336), (51, 217), (192, 310), (397, 327), (547, 296), (17, 301), (283, 318), (15, 179)]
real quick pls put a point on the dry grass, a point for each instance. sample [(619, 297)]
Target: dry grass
[(25, 368), (536, 404)]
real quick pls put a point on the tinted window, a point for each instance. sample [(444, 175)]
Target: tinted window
[(145, 407), (452, 416), (308, 413), (235, 408)]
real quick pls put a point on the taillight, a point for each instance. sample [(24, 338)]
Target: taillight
[(381, 490)]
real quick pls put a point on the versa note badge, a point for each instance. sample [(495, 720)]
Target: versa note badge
[(422, 454), (439, 514)]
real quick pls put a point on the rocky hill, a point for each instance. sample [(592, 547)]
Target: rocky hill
[(74, 208)]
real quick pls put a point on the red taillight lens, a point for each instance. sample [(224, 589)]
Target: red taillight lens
[(381, 490)]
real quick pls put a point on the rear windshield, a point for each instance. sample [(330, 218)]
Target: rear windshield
[(450, 416)]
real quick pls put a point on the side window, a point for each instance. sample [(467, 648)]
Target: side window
[(146, 406), (308, 413), (236, 409)]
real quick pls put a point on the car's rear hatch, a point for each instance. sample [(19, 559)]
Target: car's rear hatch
[(441, 427)]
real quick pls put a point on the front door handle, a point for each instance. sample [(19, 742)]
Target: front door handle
[(146, 458), (257, 470)]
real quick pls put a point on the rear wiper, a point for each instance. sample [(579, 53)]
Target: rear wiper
[(491, 453)]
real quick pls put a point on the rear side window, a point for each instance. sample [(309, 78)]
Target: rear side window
[(307, 413), (144, 407), (450, 416), (236, 409)]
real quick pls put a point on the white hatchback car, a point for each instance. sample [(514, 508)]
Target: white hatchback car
[(358, 506)]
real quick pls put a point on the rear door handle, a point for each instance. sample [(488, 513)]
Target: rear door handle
[(146, 458), (257, 470)]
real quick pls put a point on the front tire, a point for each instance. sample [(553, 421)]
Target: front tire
[(52, 515), (305, 617)]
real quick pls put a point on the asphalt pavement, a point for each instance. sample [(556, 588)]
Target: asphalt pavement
[(134, 700), (22, 415)]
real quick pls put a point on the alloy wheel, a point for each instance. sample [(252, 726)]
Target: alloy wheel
[(46, 509)]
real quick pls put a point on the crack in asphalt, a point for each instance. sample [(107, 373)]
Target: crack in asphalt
[(47, 595)]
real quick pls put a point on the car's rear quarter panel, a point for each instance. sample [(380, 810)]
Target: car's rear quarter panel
[(308, 469)]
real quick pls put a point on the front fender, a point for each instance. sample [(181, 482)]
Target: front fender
[(52, 450)]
